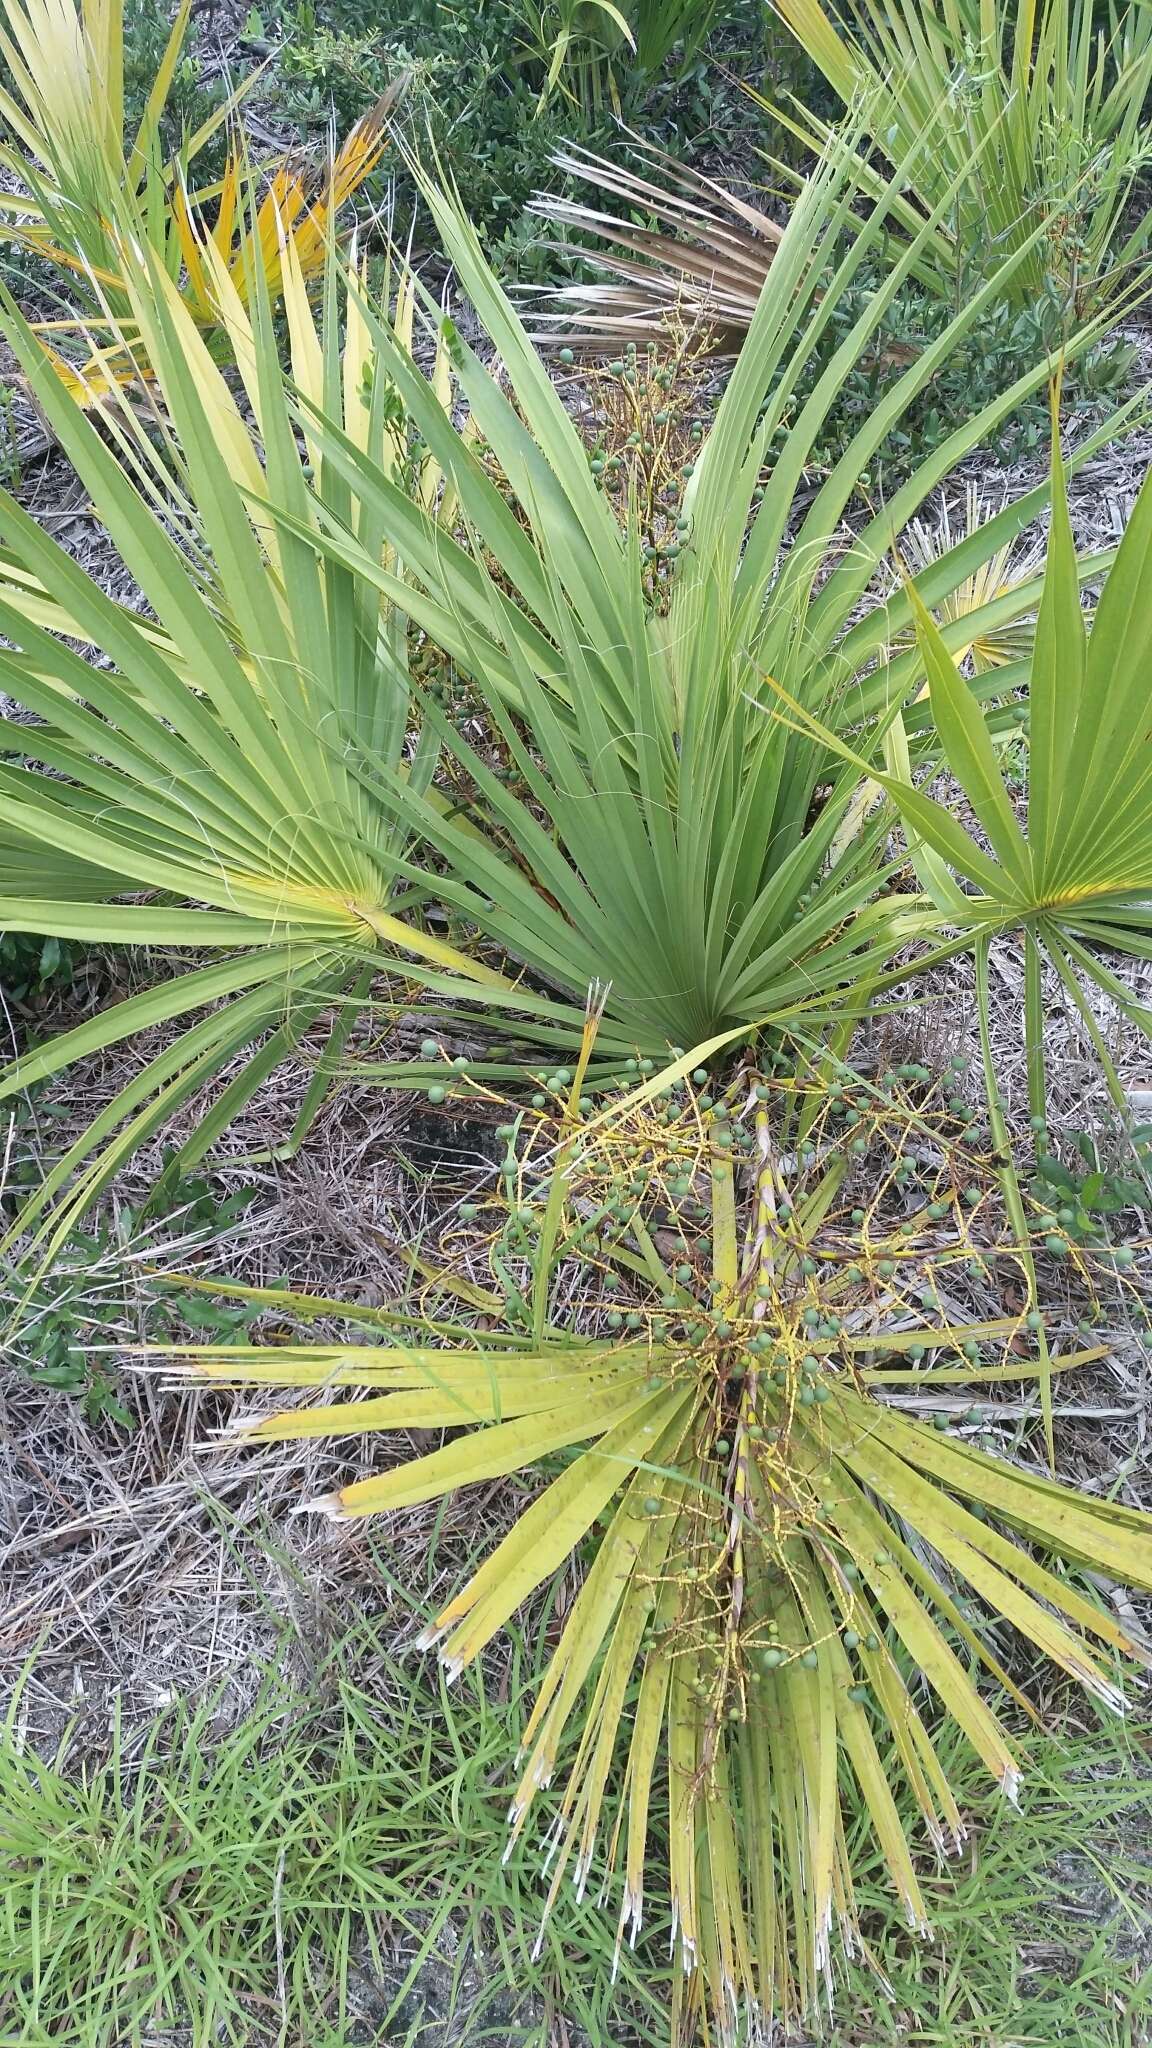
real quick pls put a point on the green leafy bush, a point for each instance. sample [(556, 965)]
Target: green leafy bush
[(476, 92), (30, 964), (988, 362), (304, 875)]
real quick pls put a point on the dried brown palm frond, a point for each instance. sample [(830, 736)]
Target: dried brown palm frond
[(702, 254)]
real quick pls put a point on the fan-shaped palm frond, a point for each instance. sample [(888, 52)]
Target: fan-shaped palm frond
[(195, 779), (1076, 880), (786, 1564), (1037, 107), (697, 255)]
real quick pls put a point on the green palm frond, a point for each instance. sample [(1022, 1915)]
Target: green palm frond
[(1036, 108), (1076, 879), (188, 792)]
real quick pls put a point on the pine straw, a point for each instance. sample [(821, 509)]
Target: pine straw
[(146, 1564)]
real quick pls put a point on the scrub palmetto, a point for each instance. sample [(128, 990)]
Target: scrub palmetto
[(715, 1316)]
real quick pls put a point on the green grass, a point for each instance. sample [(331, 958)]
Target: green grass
[(240, 1883), (1044, 1929), (249, 1882)]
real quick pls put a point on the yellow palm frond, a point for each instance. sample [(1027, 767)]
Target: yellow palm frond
[(786, 1561), (1009, 569)]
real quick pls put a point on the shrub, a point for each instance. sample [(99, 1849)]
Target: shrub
[(477, 93)]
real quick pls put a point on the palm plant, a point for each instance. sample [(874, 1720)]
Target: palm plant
[(614, 800), (442, 681), (74, 169), (1075, 880), (635, 725), (1037, 113), (782, 1561), (185, 797)]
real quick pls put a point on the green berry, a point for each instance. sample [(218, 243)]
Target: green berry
[(1057, 1245), (941, 1421), (436, 1093), (809, 1661), (850, 1639), (857, 1693)]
